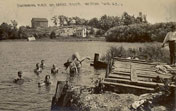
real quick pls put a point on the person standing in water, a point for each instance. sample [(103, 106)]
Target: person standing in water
[(42, 65), (74, 63), (38, 70), (171, 38), (54, 70), (46, 82), (19, 80)]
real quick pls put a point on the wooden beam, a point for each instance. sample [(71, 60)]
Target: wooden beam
[(140, 83), (143, 74), (127, 86)]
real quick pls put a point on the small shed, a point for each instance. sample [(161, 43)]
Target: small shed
[(39, 22)]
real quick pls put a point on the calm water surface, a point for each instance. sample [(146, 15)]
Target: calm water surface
[(15, 56)]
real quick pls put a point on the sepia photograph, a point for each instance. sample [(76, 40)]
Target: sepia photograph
[(87, 55)]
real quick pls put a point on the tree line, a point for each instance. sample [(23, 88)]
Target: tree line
[(125, 28), (140, 32), (104, 22)]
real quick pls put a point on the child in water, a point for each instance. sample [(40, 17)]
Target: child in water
[(19, 80), (46, 82), (42, 65), (38, 70), (54, 70)]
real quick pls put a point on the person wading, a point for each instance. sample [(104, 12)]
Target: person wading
[(19, 80), (171, 38), (74, 63)]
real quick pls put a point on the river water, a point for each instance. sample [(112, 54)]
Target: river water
[(15, 56)]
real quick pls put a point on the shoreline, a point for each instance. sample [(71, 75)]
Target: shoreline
[(58, 39)]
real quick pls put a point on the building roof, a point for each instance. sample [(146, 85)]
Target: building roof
[(39, 19)]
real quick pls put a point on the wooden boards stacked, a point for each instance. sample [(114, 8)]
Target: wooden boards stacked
[(134, 74)]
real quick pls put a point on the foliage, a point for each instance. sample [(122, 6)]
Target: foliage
[(53, 35), (143, 32), (22, 32), (105, 22), (92, 31), (100, 33), (7, 31), (55, 20), (150, 52)]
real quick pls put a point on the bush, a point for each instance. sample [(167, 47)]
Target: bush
[(147, 52), (100, 33), (8, 32), (53, 35), (139, 32)]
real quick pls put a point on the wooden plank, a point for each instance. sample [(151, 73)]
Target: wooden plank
[(139, 67), (142, 67), (137, 83), (128, 86), (121, 72), (119, 76), (142, 74), (140, 83), (139, 77), (121, 69), (138, 70), (127, 76)]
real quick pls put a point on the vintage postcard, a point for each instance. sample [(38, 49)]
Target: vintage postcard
[(87, 55)]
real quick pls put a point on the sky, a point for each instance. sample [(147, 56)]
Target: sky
[(24, 10)]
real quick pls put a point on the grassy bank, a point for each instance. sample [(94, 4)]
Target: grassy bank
[(149, 52)]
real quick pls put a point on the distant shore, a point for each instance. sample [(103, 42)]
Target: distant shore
[(59, 39)]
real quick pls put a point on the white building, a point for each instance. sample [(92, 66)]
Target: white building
[(82, 32)]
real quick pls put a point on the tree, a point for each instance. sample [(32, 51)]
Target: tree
[(5, 30), (127, 19), (68, 20), (55, 20), (106, 22), (14, 24), (22, 32), (94, 22), (80, 21), (142, 18), (61, 19)]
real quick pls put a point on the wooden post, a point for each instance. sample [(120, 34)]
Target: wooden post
[(96, 58), (107, 71), (54, 99), (110, 65)]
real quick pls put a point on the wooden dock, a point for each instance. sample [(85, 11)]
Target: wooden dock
[(133, 75)]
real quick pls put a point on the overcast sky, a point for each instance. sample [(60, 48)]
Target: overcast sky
[(156, 10)]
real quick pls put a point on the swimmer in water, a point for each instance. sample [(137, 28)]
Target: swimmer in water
[(19, 80), (74, 63), (42, 65), (54, 70), (46, 82), (38, 70)]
